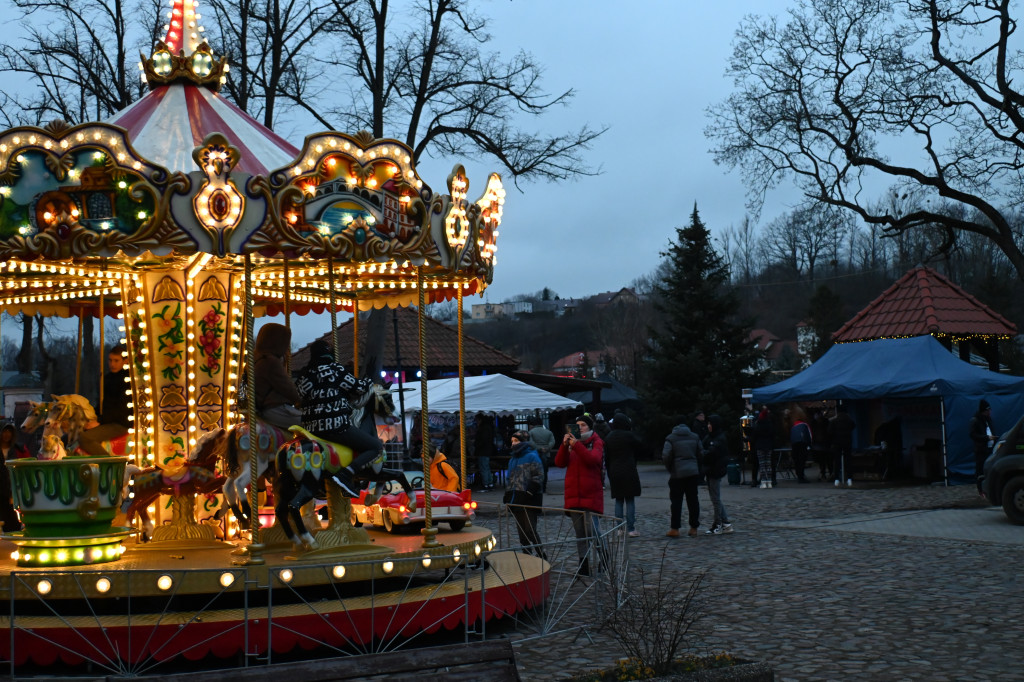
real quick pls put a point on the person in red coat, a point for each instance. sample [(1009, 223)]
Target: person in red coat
[(582, 459)]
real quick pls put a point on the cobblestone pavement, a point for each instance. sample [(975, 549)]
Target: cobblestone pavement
[(834, 584)]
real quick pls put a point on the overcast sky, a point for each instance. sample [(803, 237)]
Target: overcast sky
[(647, 70)]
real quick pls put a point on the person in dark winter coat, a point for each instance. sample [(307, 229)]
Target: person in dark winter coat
[(114, 418), (543, 441), (483, 449), (584, 487), (716, 462), (983, 439), (621, 451), (764, 442), (9, 449), (840, 432), (276, 395), (800, 440), (524, 495), (326, 387), (682, 455)]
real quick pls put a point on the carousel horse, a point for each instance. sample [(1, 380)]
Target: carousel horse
[(270, 439), (306, 462), (65, 414), (52, 448), (199, 477)]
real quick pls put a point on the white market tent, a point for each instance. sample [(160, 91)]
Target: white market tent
[(491, 393)]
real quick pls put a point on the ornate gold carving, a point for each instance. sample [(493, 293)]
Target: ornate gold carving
[(201, 67), (212, 290), (167, 290), (57, 126), (364, 138)]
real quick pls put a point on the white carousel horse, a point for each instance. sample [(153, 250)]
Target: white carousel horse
[(52, 448)]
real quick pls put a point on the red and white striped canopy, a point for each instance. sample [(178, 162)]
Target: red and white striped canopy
[(169, 122)]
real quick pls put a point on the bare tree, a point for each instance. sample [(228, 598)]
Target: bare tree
[(743, 251), (272, 46), (428, 82), (80, 56), (843, 95), (800, 239)]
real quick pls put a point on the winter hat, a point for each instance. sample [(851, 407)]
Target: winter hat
[(585, 418), (321, 348), (599, 417), (983, 405), (521, 436)]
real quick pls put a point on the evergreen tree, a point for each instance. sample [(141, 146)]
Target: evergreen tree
[(700, 356), (825, 315)]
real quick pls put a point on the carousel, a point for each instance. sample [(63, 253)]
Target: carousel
[(185, 219)]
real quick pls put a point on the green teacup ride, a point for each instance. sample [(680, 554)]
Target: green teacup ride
[(68, 507)]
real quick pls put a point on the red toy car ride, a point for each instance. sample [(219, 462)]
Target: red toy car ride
[(392, 511)]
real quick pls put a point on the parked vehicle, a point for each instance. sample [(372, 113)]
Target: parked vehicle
[(1003, 480), (392, 510)]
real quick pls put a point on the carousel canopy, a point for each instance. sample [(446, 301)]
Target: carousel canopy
[(172, 120)]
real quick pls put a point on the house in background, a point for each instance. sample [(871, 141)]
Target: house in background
[(780, 357), (401, 349)]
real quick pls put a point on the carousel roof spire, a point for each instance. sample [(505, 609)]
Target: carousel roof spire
[(183, 56), (183, 27)]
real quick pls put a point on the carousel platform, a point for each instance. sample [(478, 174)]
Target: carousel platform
[(165, 603)]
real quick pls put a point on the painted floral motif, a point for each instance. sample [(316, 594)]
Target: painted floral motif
[(170, 340), (175, 457), (209, 343)]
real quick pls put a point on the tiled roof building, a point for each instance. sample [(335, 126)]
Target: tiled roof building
[(923, 302), (442, 348)]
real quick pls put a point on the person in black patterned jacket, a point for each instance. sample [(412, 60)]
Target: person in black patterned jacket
[(326, 387)]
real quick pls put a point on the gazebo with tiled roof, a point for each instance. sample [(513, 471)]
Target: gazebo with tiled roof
[(923, 302)]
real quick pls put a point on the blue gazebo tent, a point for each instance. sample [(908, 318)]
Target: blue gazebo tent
[(916, 367)]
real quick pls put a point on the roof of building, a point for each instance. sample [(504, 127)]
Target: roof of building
[(924, 302), (770, 344), (442, 346)]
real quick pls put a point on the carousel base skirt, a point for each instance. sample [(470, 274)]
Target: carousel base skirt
[(155, 610)]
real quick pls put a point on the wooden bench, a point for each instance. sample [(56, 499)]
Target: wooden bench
[(493, 660)]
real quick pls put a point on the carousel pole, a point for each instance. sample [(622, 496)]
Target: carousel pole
[(334, 309), (103, 352), (462, 393), (78, 362), (355, 338), (255, 554), (429, 532), (287, 316)]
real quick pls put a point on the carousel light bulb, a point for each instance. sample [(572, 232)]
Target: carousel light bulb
[(44, 587), (164, 582), (226, 579), (103, 584)]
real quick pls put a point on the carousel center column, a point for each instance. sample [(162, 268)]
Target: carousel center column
[(183, 331)]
